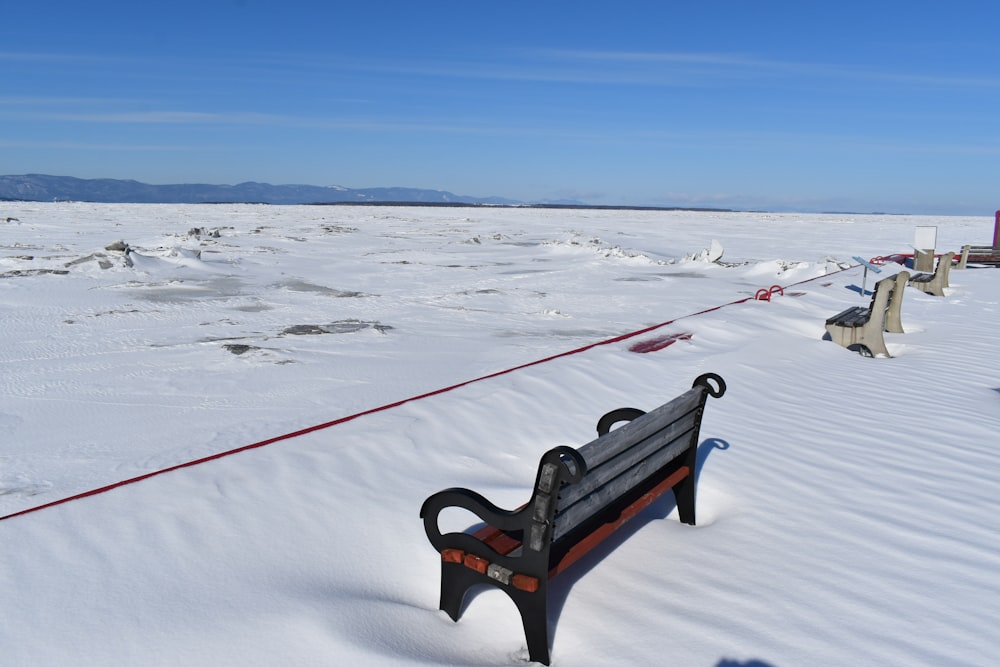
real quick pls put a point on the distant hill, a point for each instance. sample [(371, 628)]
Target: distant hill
[(41, 187)]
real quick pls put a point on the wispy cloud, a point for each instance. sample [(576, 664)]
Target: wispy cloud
[(57, 58), (40, 101), (681, 57), (64, 110), (750, 139), (69, 110), (728, 63), (651, 68), (583, 66), (147, 117), (84, 146)]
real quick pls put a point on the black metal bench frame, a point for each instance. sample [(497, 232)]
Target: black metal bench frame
[(580, 497)]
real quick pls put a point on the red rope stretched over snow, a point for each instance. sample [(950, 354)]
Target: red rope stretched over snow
[(388, 406)]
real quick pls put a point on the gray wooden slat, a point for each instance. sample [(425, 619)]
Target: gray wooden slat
[(600, 475), (608, 446), (598, 499), (852, 317)]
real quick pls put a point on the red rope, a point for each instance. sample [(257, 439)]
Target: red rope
[(388, 406)]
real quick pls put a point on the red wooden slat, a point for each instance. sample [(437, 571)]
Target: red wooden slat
[(596, 537)]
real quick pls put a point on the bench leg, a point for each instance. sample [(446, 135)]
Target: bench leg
[(931, 287), (535, 619), (843, 336), (684, 495), (875, 343), (853, 338), (456, 580)]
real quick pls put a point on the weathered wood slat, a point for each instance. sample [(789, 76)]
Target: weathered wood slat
[(602, 449), (854, 316), (573, 515), (598, 473)]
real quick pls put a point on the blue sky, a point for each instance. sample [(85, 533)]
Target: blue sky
[(860, 106)]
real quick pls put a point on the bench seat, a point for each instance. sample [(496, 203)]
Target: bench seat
[(854, 316)]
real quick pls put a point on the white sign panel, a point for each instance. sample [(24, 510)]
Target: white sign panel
[(925, 238)]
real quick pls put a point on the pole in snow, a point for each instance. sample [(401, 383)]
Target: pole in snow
[(868, 265)]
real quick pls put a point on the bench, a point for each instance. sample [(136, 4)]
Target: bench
[(979, 254), (859, 328), (934, 283), (579, 498)]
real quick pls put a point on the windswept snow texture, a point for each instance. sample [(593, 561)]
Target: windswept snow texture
[(847, 507)]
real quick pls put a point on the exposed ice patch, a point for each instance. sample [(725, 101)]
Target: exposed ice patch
[(21, 485), (339, 327)]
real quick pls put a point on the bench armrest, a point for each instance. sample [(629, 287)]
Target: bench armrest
[(473, 502), (560, 465), (605, 423), (706, 379)]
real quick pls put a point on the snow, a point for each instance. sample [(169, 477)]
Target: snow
[(847, 507)]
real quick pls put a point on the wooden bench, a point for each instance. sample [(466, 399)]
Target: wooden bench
[(580, 497), (934, 283), (983, 254), (979, 254), (860, 328)]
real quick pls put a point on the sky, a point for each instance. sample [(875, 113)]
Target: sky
[(850, 106)]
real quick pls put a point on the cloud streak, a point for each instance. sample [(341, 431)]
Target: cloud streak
[(751, 139), (573, 66), (83, 146), (651, 68)]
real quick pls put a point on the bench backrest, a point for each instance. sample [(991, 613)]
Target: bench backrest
[(627, 457), (883, 292), (893, 315), (944, 268)]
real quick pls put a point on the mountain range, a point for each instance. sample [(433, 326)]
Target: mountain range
[(41, 187)]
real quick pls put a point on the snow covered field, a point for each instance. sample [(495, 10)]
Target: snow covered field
[(847, 507)]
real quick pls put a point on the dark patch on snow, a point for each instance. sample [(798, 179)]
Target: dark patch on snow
[(339, 327), (239, 348), (32, 272)]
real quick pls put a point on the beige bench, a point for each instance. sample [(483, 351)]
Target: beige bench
[(934, 283), (860, 328)]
